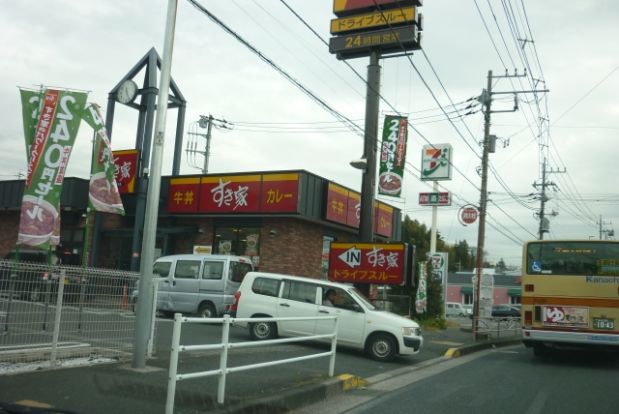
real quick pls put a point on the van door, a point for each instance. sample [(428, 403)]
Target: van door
[(212, 284), (161, 273), (297, 299), (185, 285), (351, 318)]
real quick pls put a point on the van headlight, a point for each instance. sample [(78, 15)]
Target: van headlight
[(411, 331)]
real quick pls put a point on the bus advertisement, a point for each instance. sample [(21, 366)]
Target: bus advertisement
[(570, 294)]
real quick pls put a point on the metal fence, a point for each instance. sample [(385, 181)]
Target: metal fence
[(52, 312), (226, 345), (399, 304), (498, 327)]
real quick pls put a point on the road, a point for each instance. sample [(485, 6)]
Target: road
[(508, 381)]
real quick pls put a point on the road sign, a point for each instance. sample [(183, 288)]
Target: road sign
[(468, 215), (435, 199), (386, 41), (374, 20), (377, 263)]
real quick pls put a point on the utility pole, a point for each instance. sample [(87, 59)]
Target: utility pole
[(487, 147), (543, 221), (192, 146)]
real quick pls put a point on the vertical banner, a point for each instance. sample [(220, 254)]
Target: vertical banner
[(56, 128), (103, 190), (30, 113), (392, 155), (421, 299)]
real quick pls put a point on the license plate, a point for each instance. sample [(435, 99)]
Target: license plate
[(603, 323)]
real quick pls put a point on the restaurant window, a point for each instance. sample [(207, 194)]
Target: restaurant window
[(240, 241)]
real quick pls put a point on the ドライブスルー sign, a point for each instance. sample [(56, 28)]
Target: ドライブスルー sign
[(377, 263)]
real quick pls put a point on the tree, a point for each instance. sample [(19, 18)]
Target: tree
[(500, 267)]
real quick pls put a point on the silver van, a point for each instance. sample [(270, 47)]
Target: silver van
[(198, 283)]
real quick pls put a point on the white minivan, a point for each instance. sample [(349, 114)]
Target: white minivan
[(383, 335), (198, 283)]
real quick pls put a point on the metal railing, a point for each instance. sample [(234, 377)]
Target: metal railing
[(53, 312), (498, 327), (226, 345)]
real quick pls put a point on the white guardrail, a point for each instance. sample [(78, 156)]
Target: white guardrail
[(225, 345)]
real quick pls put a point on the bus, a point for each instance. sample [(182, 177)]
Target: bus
[(570, 294)]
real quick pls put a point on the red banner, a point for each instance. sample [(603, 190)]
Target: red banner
[(126, 162), (367, 263), (183, 195), (280, 193)]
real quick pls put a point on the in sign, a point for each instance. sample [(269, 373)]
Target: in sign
[(352, 257)]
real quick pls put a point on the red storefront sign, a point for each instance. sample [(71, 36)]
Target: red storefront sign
[(383, 219), (337, 209), (354, 209), (126, 162), (183, 195), (230, 194), (280, 193), (367, 263)]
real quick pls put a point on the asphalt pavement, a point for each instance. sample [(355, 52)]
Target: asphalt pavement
[(118, 388)]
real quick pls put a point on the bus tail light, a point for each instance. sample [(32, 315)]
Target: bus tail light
[(529, 288), (528, 318)]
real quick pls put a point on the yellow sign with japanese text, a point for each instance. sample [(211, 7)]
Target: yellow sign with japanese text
[(393, 17)]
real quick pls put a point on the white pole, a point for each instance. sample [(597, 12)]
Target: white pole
[(333, 348), (176, 339), (58, 314), (223, 360), (144, 308), (434, 219)]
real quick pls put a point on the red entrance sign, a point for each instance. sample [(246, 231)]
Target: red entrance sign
[(367, 263)]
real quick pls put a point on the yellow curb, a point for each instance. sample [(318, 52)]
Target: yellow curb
[(32, 404), (351, 382), (452, 353)]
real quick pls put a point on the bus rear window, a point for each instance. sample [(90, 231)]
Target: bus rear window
[(573, 258)]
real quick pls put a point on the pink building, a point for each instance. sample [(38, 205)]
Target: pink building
[(460, 288)]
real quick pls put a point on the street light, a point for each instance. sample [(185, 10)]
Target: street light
[(360, 164)]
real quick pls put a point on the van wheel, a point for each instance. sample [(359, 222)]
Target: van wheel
[(207, 310), (259, 331), (382, 347)]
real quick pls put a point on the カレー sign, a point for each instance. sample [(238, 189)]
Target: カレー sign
[(367, 263)]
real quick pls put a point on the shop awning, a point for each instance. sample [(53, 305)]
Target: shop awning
[(466, 290), (513, 292)]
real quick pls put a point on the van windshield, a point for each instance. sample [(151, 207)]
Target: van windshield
[(361, 298)]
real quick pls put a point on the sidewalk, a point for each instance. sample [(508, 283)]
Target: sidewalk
[(105, 388)]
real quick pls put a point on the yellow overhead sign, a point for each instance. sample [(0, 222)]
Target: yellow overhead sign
[(373, 20)]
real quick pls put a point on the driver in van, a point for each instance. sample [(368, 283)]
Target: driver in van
[(329, 299)]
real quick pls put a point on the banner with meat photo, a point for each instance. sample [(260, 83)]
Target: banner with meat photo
[(392, 155), (103, 190), (57, 124)]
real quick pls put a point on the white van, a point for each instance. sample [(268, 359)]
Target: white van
[(455, 309), (381, 334), (198, 283)]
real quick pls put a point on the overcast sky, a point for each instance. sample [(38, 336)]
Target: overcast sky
[(570, 49)]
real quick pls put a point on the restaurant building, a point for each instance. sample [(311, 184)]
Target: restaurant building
[(284, 220)]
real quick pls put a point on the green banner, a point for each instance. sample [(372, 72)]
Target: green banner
[(392, 155), (59, 119), (103, 190), (30, 113)]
